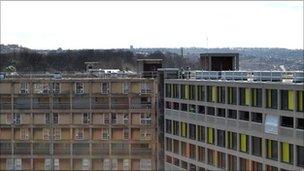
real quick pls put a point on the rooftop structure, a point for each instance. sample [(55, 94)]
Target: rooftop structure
[(220, 61)]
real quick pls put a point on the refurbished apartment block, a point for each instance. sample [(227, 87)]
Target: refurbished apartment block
[(78, 122), (234, 120)]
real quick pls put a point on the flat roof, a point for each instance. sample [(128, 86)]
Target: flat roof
[(219, 54)]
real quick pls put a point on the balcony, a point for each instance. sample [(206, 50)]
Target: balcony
[(5, 106), (22, 105), (100, 149), (81, 149), (85, 105), (120, 151), (141, 106), (62, 149), (5, 148), (65, 105), (22, 148), (141, 151), (41, 149), (41, 105)]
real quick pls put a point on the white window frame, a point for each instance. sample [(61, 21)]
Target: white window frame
[(46, 133), (102, 88), (106, 164), (126, 119), (47, 118), (57, 120), (126, 87), (17, 118), (144, 88), (9, 164), (87, 119), (24, 134), (24, 88), (85, 164), (145, 164), (18, 164), (114, 164), (56, 85), (126, 164), (41, 88), (126, 131), (9, 118), (106, 132), (78, 132), (144, 134), (272, 123), (47, 164), (57, 133), (56, 164), (81, 90), (145, 120)]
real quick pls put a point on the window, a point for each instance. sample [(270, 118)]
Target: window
[(175, 127), (184, 129), (24, 134), (41, 88), (104, 88), (168, 144), (210, 135), (168, 159), (184, 91), (244, 164), (18, 164), (210, 111), (175, 106), (55, 118), (175, 90), (85, 164), (221, 94), (168, 90), (221, 112), (271, 149), (192, 92), (244, 94), (168, 126), (145, 119), (257, 166), (126, 119), (287, 121), (176, 146), (287, 99), (232, 114), (46, 134), (79, 134), (221, 138), (256, 117), (231, 95), (271, 124), (201, 133), (24, 88), (168, 105), (184, 107), (244, 115), (287, 153), (105, 134), (192, 131), (212, 94), (9, 119), (300, 101), (232, 162), (184, 165), (200, 93), (106, 164), (244, 143), (144, 134), (79, 88), (211, 155), (47, 164), (176, 161), (271, 98), (256, 144), (16, 118), (192, 167), (86, 118), (300, 154), (201, 109), (201, 154), (232, 140), (126, 133), (145, 88), (114, 164), (126, 164), (56, 88), (106, 119), (57, 133), (47, 118), (126, 88), (113, 118), (271, 168), (300, 123), (192, 151), (192, 108), (221, 160), (256, 94)]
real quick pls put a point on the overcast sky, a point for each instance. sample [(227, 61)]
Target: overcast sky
[(77, 25)]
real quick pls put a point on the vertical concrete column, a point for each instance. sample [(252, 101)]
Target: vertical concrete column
[(279, 98), (264, 99)]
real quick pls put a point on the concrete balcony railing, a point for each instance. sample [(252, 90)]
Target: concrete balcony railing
[(62, 149), (100, 106), (100, 149), (81, 149), (81, 105), (22, 105), (5, 105), (120, 106), (5, 148), (141, 151), (65, 105), (22, 149), (141, 106), (120, 151), (41, 105)]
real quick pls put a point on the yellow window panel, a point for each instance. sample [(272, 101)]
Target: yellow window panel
[(243, 143), (300, 101), (291, 100), (247, 96), (210, 135), (269, 149), (186, 91), (214, 93), (285, 157)]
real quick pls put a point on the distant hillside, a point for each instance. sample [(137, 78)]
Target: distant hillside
[(24, 59)]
